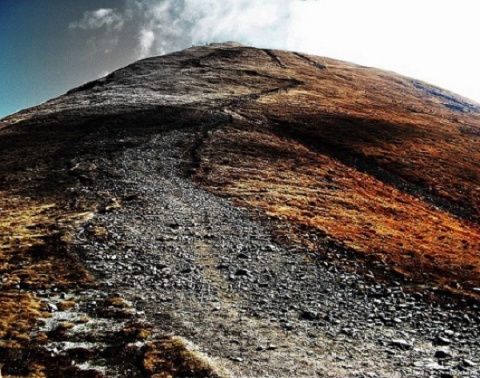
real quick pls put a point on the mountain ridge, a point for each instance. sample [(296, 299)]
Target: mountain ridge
[(303, 194)]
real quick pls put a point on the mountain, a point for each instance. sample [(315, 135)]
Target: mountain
[(227, 210)]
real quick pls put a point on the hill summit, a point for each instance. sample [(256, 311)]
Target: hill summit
[(232, 210)]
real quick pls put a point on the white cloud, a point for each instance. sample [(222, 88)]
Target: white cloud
[(103, 27), (162, 26), (146, 39), (108, 18), (260, 23)]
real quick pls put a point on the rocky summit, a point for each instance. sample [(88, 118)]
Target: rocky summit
[(228, 211)]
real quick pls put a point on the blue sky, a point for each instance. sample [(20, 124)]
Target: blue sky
[(50, 46)]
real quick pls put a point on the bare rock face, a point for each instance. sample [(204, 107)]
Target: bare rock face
[(226, 210)]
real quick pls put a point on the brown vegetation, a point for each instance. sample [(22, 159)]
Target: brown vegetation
[(297, 186), (32, 257), (382, 164), (171, 357)]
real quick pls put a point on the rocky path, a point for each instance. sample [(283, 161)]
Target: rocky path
[(199, 268)]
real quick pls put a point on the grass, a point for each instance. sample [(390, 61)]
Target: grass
[(296, 187), (373, 161), (32, 257), (172, 357)]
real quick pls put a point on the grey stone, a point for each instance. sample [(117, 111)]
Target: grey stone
[(402, 344)]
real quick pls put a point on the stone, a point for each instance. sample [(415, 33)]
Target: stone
[(242, 272), (441, 340), (402, 344), (52, 307), (468, 363), (308, 315), (441, 354)]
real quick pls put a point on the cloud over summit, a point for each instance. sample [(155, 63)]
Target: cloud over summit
[(155, 27)]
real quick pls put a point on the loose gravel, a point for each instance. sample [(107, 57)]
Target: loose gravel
[(196, 266)]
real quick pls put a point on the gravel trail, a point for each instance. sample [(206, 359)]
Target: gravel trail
[(201, 269)]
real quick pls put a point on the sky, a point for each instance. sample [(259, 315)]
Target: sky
[(50, 46)]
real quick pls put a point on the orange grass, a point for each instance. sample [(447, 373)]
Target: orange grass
[(288, 181), (31, 257), (380, 163), (171, 357)]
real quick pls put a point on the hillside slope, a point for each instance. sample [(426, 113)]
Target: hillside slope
[(234, 195)]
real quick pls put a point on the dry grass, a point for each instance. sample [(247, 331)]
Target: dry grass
[(32, 257), (351, 155), (299, 187), (66, 305), (172, 357), (18, 315), (405, 127)]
